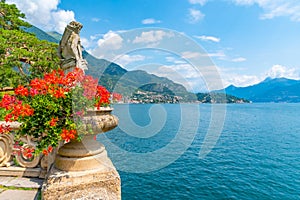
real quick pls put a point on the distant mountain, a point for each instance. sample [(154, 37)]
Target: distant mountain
[(55, 35), (117, 79), (269, 90), (158, 88), (40, 34), (214, 97)]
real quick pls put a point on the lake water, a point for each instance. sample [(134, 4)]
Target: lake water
[(156, 150)]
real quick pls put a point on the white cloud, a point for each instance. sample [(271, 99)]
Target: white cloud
[(275, 8), (208, 38), (85, 42), (201, 2), (174, 60), (61, 18), (240, 80), (111, 40), (244, 2), (239, 59), (151, 21), (96, 36), (233, 76), (45, 14), (183, 73), (170, 59), (95, 19), (191, 54), (152, 37), (278, 71), (91, 42), (196, 79), (219, 55), (126, 59), (195, 15)]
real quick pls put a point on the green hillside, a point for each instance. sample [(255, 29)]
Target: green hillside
[(55, 35), (219, 98), (40, 34)]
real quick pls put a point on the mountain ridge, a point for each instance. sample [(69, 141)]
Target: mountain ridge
[(269, 90), (117, 79)]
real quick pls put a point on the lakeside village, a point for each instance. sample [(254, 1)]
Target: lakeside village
[(150, 97)]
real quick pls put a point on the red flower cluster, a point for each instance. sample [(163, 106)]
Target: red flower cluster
[(16, 107), (72, 78), (67, 135), (116, 96), (4, 129), (102, 96), (53, 121), (27, 152), (47, 151), (89, 85), (53, 83), (54, 77), (39, 86), (53, 86), (57, 84), (8, 101), (21, 90)]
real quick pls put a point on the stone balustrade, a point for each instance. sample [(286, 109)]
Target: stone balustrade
[(13, 159)]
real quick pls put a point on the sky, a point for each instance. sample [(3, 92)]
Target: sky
[(203, 44)]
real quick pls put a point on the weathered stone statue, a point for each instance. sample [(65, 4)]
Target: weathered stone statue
[(69, 50)]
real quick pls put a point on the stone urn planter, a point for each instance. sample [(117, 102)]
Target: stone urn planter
[(88, 153), (82, 169)]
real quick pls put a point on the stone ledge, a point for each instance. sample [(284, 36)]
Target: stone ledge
[(20, 182), (22, 172), (101, 183)]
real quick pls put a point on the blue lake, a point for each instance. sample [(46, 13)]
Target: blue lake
[(255, 155)]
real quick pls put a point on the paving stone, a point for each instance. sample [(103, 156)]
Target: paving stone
[(19, 195), (25, 182), (5, 179)]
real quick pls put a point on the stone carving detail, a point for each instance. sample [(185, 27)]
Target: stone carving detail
[(69, 49), (6, 148), (22, 159), (12, 154)]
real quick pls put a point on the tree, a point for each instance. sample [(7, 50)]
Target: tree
[(10, 17), (22, 55)]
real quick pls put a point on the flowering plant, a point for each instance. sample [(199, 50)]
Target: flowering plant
[(50, 108)]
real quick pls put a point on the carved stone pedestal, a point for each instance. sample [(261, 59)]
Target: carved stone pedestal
[(82, 170), (100, 183)]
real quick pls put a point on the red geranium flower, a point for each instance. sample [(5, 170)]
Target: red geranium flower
[(21, 90), (53, 121), (27, 152), (7, 101), (47, 151), (67, 135), (4, 129)]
